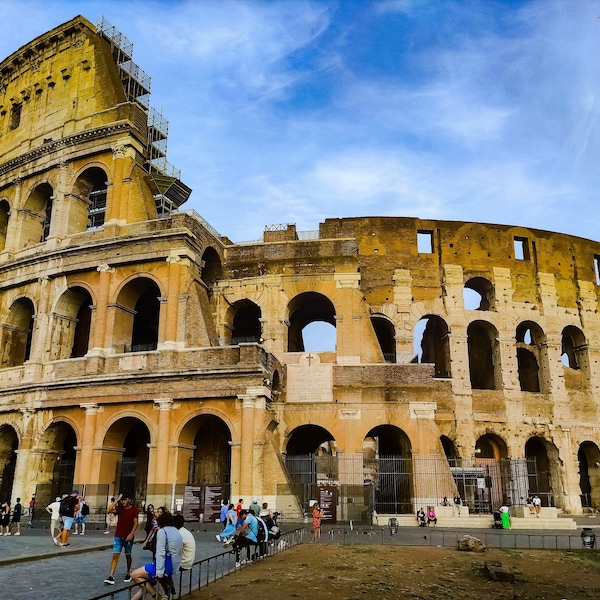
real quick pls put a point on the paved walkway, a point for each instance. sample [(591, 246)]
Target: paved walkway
[(32, 567)]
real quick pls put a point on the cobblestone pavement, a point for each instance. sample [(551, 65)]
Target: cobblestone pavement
[(33, 568)]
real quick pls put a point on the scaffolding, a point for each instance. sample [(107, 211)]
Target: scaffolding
[(169, 192)]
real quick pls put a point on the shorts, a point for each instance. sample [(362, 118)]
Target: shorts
[(16, 519), (79, 520), (150, 568), (122, 544), (67, 523)]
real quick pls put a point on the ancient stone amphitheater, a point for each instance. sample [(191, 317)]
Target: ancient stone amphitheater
[(142, 350)]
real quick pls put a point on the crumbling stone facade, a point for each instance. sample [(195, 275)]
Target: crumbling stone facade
[(139, 348)]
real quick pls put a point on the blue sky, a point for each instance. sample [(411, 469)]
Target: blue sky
[(296, 111)]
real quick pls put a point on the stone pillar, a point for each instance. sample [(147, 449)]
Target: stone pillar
[(118, 192), (25, 477), (167, 334), (83, 467), (347, 329), (14, 223), (159, 452), (98, 333)]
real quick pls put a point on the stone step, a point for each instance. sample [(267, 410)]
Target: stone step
[(484, 522)]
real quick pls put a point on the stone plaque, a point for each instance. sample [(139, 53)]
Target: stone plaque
[(309, 380)]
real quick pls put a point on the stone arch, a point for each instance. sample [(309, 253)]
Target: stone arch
[(212, 268), (36, 216), (478, 294), (588, 457), (304, 309), (434, 344), (386, 336), (9, 444), (543, 469), (491, 465), (90, 191), (450, 450), (125, 455), (137, 315), (4, 219), (205, 453), (71, 324), (243, 318), (17, 333), (56, 454), (387, 462), (311, 461), (532, 357), (484, 356), (575, 357)]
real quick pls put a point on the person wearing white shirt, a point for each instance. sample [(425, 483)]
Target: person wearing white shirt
[(188, 551)]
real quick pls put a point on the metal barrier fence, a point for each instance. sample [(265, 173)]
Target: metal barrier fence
[(449, 538), (207, 570)]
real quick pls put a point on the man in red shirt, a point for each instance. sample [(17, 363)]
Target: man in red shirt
[(127, 515)]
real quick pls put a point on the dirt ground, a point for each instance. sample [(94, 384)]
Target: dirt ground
[(326, 572)]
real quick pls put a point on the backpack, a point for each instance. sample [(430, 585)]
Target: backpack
[(85, 509), (65, 507)]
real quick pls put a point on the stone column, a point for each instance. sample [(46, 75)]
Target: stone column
[(26, 476), (167, 335), (159, 452), (118, 192), (83, 467), (98, 333)]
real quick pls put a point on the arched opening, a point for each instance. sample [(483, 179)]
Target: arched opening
[(9, 444), (387, 462), (575, 358), (57, 455), (211, 462), (17, 333), (311, 462), (212, 269), (386, 336), (246, 325), (137, 317), (125, 458), (478, 294), (589, 475), (88, 201), (484, 357), (71, 324), (4, 217), (532, 357), (542, 468), (449, 448), (492, 469), (37, 216), (305, 309), (434, 344)]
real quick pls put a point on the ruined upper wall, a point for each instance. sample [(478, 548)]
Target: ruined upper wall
[(378, 246), (55, 86)]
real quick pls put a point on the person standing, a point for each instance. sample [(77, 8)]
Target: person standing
[(317, 516), (16, 518), (54, 509), (68, 507), (31, 510), (127, 522), (537, 505), (111, 518), (505, 516), (254, 507), (5, 518), (239, 507)]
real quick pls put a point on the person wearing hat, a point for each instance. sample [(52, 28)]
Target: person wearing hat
[(68, 508), (254, 507)]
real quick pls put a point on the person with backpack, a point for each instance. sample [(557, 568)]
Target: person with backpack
[(69, 505), (82, 513), (16, 518)]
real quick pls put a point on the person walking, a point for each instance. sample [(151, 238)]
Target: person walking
[(68, 508), (54, 509), (127, 522), (16, 518)]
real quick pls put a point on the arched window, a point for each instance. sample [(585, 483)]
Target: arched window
[(484, 357), (478, 294), (532, 359), (433, 345), (384, 330), (17, 334), (4, 216), (246, 326), (307, 309)]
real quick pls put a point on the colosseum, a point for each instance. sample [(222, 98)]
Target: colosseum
[(142, 350)]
